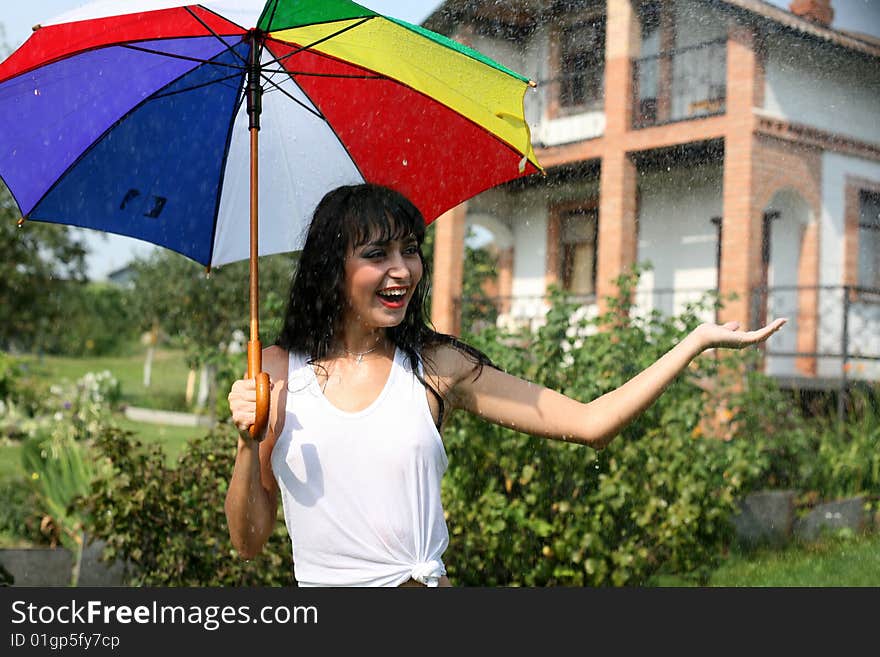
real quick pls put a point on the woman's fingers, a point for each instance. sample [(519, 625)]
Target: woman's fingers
[(759, 335), (245, 389), (242, 400), (243, 421), (730, 335)]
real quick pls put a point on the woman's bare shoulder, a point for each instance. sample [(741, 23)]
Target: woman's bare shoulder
[(447, 361), (275, 361)]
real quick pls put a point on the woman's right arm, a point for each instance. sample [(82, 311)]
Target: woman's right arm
[(252, 497)]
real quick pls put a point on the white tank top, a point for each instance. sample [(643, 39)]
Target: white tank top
[(361, 491)]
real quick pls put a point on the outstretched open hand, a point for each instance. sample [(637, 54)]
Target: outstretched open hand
[(729, 335)]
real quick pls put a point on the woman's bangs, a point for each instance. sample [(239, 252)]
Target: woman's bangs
[(382, 224)]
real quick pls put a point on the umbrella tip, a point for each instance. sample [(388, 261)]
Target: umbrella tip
[(21, 221), (532, 83), (36, 27)]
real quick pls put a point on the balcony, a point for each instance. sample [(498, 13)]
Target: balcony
[(846, 326), (565, 109), (680, 85)]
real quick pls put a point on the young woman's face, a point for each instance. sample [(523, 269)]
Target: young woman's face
[(380, 279)]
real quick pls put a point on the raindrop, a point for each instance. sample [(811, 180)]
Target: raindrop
[(36, 92), (405, 163)]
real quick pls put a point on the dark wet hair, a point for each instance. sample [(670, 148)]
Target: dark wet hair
[(347, 218)]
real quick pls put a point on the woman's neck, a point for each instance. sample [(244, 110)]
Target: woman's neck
[(355, 340)]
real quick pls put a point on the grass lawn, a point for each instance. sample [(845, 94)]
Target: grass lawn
[(171, 438), (842, 559), (10, 461), (167, 389)]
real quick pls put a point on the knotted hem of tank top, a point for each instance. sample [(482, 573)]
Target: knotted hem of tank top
[(429, 572)]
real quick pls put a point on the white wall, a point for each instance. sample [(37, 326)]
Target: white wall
[(822, 87), (525, 214), (697, 22), (864, 319), (677, 236)]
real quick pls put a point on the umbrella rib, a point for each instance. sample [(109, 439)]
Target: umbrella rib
[(278, 60), (184, 57), (219, 38), (277, 87), (326, 75), (197, 86)]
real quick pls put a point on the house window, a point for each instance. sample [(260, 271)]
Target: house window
[(869, 239), (582, 65), (577, 248)]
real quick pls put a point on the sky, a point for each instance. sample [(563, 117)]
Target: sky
[(110, 252)]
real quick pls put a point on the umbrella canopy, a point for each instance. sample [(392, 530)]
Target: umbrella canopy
[(145, 123), (137, 124)]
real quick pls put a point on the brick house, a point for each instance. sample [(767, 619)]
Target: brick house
[(733, 144)]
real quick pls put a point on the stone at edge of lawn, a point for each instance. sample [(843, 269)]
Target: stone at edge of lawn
[(848, 513), (765, 518)]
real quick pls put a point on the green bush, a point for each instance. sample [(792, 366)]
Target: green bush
[(10, 373), (168, 524), (20, 513), (532, 512), (843, 459)]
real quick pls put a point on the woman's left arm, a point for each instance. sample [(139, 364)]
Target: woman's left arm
[(513, 402)]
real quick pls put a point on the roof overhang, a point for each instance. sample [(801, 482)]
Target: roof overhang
[(528, 13)]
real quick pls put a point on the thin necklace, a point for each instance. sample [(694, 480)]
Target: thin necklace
[(360, 355)]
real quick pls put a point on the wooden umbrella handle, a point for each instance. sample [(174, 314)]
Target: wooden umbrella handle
[(255, 367), (255, 350)]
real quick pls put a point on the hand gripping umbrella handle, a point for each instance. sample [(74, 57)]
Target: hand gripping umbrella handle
[(255, 367)]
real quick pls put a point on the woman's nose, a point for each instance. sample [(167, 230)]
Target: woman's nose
[(397, 264)]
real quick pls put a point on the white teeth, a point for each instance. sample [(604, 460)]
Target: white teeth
[(393, 293)]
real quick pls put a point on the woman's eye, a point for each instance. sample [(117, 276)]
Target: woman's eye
[(374, 254)]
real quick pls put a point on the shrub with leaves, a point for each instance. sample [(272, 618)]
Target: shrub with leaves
[(845, 458), (168, 524), (20, 514), (10, 373), (533, 512)]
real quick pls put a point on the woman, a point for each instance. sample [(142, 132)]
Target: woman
[(360, 391)]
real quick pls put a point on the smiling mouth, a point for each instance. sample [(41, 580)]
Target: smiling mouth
[(392, 297)]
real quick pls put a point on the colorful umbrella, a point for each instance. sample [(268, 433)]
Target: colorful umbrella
[(145, 123)]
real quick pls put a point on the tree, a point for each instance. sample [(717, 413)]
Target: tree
[(37, 260), (202, 313)]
